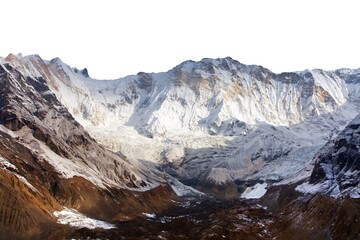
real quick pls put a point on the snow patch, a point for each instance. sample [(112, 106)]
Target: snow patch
[(4, 163), (149, 215), (355, 194), (183, 190), (10, 168), (312, 188), (255, 192), (328, 187), (75, 219), (25, 181)]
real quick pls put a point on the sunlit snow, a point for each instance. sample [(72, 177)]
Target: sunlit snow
[(183, 190), (254, 192), (10, 168), (4, 163), (149, 215), (78, 220)]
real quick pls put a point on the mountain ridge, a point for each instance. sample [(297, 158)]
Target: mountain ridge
[(211, 104)]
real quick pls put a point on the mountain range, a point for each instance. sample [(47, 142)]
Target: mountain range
[(105, 151)]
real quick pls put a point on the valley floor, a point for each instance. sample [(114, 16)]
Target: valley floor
[(194, 219), (287, 216)]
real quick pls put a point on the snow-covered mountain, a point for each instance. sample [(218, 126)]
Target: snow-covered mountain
[(31, 110), (212, 122), (90, 153)]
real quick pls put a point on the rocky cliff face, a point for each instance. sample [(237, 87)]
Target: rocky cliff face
[(337, 165)]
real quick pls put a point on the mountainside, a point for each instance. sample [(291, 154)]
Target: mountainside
[(29, 105), (215, 96), (212, 123), (49, 164), (326, 205)]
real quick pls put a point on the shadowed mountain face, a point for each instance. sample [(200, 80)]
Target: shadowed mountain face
[(326, 204), (74, 150), (337, 166)]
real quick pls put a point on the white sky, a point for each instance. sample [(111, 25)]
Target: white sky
[(114, 38)]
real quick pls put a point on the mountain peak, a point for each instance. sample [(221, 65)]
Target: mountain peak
[(11, 57), (56, 61), (209, 65), (227, 61), (85, 72)]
